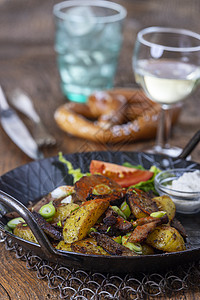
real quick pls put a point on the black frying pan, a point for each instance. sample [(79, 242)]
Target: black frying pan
[(30, 182)]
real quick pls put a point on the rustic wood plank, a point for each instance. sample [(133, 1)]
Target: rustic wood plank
[(19, 283)]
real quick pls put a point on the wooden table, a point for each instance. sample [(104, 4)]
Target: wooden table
[(27, 60)]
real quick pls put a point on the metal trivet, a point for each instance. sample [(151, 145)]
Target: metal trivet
[(80, 285)]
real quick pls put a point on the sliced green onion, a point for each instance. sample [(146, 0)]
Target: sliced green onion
[(118, 211), (74, 209), (49, 219), (8, 228), (14, 222), (59, 224), (136, 247), (124, 238), (158, 214), (92, 229), (108, 229), (118, 239), (101, 189), (125, 209), (47, 211), (134, 191), (76, 173)]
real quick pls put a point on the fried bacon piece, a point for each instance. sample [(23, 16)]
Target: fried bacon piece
[(121, 225), (110, 217), (85, 185), (47, 228), (144, 201), (111, 246), (146, 220), (115, 227), (144, 227), (113, 224)]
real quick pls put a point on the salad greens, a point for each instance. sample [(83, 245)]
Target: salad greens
[(143, 185), (128, 165), (76, 173)]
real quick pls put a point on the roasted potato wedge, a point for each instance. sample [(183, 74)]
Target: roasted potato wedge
[(24, 232), (166, 204), (166, 238), (147, 249), (62, 245), (82, 219), (63, 211), (88, 246)]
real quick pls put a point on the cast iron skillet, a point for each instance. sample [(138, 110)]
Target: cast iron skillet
[(30, 182)]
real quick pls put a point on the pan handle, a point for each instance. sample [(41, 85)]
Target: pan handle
[(190, 145), (49, 251)]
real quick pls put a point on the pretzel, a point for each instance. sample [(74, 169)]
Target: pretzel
[(119, 115)]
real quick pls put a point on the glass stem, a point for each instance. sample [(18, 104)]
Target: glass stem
[(164, 127)]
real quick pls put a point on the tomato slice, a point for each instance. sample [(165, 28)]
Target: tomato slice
[(122, 175)]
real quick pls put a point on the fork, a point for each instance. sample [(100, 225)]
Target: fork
[(23, 103)]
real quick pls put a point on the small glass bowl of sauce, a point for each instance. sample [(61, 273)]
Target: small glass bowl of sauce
[(182, 186)]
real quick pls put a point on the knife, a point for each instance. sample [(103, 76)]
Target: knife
[(16, 129)]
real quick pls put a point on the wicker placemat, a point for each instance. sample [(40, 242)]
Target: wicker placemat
[(78, 284)]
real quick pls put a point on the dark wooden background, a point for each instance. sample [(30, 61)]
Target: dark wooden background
[(27, 60)]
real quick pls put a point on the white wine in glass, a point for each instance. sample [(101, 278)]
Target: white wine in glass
[(166, 64)]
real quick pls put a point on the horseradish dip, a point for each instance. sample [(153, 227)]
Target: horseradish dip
[(188, 182), (182, 186), (185, 192)]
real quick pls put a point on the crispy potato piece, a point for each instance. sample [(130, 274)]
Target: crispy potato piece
[(62, 245), (166, 204), (63, 211), (24, 232), (147, 249), (81, 220), (166, 238), (88, 246)]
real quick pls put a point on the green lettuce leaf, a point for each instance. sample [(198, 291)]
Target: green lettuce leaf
[(76, 173), (128, 165)]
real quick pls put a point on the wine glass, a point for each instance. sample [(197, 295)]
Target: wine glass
[(166, 64)]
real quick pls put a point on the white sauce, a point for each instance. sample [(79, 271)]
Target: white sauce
[(188, 182)]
